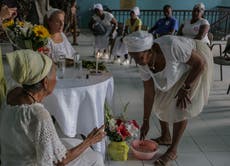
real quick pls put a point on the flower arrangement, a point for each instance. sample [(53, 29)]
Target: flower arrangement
[(24, 35), (120, 129)]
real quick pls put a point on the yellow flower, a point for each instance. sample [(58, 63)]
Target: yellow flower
[(8, 23), (40, 31), (21, 23)]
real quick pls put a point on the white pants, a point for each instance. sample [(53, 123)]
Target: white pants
[(88, 158)]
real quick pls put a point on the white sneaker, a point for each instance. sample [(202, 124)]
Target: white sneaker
[(117, 60), (125, 62)]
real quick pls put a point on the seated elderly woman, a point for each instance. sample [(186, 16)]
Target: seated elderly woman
[(197, 27), (28, 136), (177, 75), (132, 24), (58, 42), (108, 21)]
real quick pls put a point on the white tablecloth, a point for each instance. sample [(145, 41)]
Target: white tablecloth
[(78, 104)]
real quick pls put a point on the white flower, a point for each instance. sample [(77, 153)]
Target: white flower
[(132, 129), (112, 124), (25, 31)]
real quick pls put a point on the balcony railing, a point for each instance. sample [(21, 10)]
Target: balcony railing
[(149, 17)]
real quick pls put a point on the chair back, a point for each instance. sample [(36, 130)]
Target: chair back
[(144, 27), (227, 47), (120, 28)]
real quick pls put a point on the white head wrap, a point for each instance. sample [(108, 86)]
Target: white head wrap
[(98, 6), (200, 6), (51, 12), (139, 41), (136, 10)]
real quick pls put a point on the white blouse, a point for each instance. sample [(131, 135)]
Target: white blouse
[(107, 19), (191, 30), (176, 51), (28, 136), (63, 48)]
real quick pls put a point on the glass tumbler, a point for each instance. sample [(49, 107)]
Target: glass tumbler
[(61, 66)]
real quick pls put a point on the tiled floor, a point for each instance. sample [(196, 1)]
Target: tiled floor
[(206, 141)]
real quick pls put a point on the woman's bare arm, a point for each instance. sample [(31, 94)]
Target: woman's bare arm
[(95, 136), (197, 64), (179, 33), (149, 93), (202, 32)]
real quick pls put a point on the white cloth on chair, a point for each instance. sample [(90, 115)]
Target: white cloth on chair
[(87, 158), (120, 48)]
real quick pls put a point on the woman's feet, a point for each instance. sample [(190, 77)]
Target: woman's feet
[(166, 158), (163, 140)]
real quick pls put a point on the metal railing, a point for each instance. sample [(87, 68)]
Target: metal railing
[(149, 17), (221, 28)]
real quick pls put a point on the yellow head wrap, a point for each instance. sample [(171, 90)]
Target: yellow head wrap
[(28, 67)]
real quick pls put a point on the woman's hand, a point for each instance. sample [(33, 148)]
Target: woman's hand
[(96, 135), (144, 129), (183, 98)]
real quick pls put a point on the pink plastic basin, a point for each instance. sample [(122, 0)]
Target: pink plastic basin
[(144, 150)]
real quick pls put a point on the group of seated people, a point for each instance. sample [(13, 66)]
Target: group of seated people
[(28, 136), (197, 27)]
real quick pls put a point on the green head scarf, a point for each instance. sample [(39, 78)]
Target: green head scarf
[(28, 67)]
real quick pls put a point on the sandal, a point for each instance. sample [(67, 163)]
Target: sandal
[(160, 141), (165, 159)]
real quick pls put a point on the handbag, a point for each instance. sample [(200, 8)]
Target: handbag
[(99, 29)]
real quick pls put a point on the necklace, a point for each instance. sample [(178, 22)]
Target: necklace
[(32, 97)]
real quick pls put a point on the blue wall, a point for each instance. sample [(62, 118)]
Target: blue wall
[(225, 3), (85, 5)]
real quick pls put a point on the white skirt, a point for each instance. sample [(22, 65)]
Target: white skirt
[(87, 158), (165, 102), (102, 41)]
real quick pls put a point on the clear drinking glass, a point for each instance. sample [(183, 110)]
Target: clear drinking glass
[(79, 69), (61, 66), (76, 58)]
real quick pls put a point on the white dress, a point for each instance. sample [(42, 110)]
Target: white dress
[(191, 30), (63, 48), (28, 138), (177, 51), (102, 41)]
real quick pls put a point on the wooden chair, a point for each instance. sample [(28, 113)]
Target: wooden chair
[(223, 59)]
